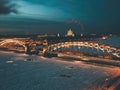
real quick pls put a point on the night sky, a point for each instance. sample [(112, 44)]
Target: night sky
[(57, 16)]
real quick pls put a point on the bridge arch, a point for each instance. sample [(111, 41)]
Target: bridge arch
[(14, 41), (103, 47)]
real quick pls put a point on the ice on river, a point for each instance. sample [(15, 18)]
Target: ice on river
[(49, 73)]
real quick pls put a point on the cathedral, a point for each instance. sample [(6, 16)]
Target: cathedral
[(70, 33)]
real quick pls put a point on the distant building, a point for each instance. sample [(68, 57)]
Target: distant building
[(70, 33), (58, 35), (81, 34)]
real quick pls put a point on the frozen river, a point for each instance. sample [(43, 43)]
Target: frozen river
[(114, 41), (50, 74)]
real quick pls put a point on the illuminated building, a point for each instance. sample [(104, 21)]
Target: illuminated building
[(58, 35), (70, 33)]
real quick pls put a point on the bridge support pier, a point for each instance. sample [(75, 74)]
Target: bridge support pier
[(27, 49)]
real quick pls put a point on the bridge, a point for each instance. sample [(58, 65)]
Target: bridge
[(95, 47), (15, 43)]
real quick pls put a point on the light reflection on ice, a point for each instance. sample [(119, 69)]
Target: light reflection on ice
[(22, 55), (5, 52), (75, 74), (77, 62), (9, 61), (18, 58)]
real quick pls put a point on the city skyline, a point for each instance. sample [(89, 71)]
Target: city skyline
[(59, 45), (57, 16)]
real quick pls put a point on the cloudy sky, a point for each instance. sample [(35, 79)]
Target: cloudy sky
[(56, 16)]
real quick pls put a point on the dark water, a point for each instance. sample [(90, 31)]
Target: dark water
[(114, 41)]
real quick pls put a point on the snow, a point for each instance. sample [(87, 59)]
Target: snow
[(49, 73)]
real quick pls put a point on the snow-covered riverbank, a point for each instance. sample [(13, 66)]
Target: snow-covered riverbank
[(49, 74)]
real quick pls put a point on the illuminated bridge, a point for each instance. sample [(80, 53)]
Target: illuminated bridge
[(90, 48), (86, 47), (16, 44)]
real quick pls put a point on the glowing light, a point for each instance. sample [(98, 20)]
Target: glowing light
[(14, 41), (98, 46)]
